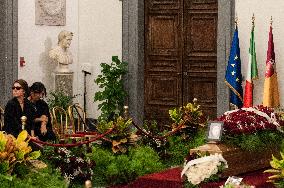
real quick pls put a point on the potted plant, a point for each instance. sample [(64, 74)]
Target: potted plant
[(113, 94)]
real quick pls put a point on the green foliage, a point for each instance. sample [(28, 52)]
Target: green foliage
[(100, 177), (178, 148), (188, 119), (279, 184), (256, 142), (187, 184), (277, 169), (15, 151), (176, 115), (121, 127), (188, 114), (123, 168), (44, 178), (122, 135), (120, 171), (58, 98), (144, 161), (73, 163), (230, 185), (4, 167), (113, 94)]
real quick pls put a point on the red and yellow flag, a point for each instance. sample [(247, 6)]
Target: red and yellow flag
[(271, 92)]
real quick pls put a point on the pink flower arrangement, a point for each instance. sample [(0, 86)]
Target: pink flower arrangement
[(250, 120)]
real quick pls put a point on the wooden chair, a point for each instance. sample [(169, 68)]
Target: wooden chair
[(77, 118), (1, 118), (60, 122)]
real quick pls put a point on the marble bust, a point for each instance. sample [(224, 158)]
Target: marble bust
[(60, 54)]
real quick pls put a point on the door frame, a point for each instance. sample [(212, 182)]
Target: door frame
[(9, 48), (133, 53)]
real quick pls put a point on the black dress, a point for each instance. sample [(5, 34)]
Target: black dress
[(41, 108), (12, 117)]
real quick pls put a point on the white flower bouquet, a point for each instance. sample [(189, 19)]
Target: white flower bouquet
[(198, 170)]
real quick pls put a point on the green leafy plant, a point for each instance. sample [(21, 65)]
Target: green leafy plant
[(122, 136), (230, 185), (47, 177), (277, 170), (73, 163), (258, 141), (152, 128), (123, 168), (189, 118), (58, 98), (178, 149), (113, 94), (13, 151)]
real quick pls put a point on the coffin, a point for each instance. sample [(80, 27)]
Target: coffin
[(239, 161)]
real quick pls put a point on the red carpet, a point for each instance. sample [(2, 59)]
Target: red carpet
[(171, 179)]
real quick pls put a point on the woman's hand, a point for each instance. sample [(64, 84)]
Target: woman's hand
[(43, 129), (32, 136), (44, 118)]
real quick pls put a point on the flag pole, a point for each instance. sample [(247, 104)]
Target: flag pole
[(236, 21), (233, 72), (231, 106), (252, 20)]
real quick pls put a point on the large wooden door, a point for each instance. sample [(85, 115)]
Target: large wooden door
[(180, 56)]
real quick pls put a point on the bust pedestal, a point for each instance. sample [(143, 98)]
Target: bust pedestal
[(64, 82)]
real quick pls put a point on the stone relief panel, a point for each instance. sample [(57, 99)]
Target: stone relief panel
[(50, 12)]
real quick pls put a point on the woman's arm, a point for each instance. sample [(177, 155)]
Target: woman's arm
[(11, 123)]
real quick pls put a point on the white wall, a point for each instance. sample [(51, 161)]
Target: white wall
[(100, 28), (34, 42), (97, 28), (263, 10)]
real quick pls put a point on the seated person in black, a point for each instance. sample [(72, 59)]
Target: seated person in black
[(43, 127), (17, 107)]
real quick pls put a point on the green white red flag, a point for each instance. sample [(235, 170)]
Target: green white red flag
[(252, 72)]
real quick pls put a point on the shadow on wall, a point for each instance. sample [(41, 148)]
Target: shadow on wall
[(47, 66)]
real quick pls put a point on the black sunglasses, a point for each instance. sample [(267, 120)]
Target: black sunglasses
[(17, 88)]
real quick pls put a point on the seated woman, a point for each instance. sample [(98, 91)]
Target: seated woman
[(43, 127), (17, 107)]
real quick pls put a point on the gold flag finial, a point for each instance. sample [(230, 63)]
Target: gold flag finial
[(236, 20), (271, 21)]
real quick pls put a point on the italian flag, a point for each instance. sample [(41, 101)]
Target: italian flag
[(252, 72), (271, 91)]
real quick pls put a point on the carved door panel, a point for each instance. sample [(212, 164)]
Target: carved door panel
[(180, 55), (200, 54)]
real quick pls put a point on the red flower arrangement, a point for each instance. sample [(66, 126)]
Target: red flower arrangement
[(250, 120)]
